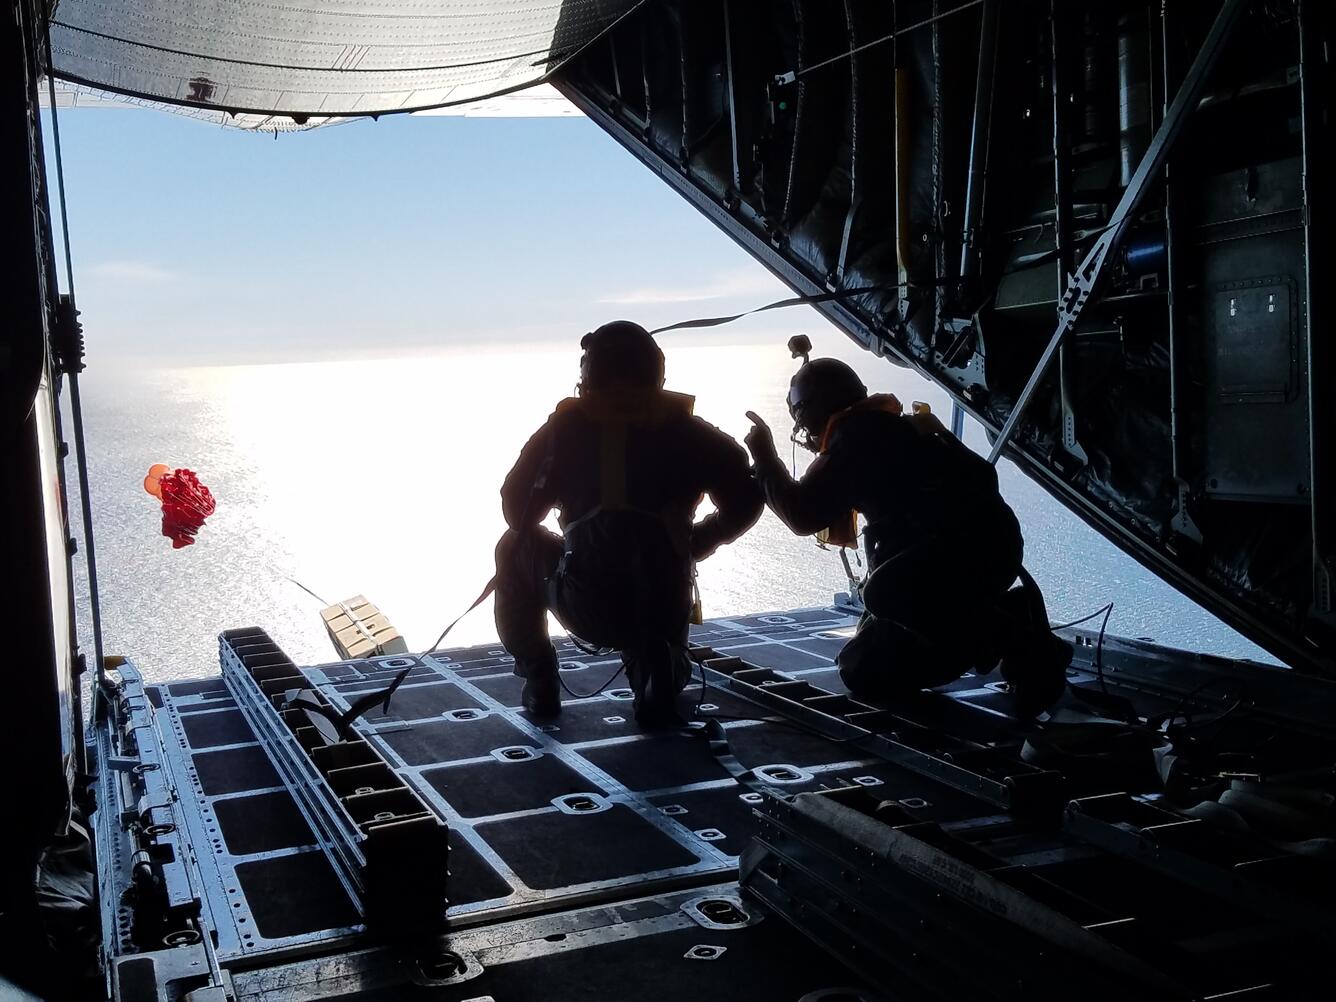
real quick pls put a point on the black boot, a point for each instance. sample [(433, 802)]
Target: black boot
[(655, 683), (542, 688), (1035, 663)]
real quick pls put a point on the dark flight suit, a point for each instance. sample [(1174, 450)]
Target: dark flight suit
[(625, 470), (942, 546)]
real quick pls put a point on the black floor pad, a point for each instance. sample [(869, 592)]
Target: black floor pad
[(780, 657), (424, 701), (293, 895), (471, 877), (557, 850), (658, 762), (198, 687), (825, 648), (486, 788), (726, 704), (234, 770), (780, 744), (382, 679), (588, 720), (448, 740), (262, 823), (722, 809), (505, 689), (222, 703), (768, 962), (209, 730)]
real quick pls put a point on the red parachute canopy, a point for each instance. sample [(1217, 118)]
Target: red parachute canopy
[(186, 502)]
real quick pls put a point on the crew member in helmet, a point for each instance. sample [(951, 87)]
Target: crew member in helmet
[(943, 548), (625, 463)]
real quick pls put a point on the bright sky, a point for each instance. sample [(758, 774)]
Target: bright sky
[(195, 243)]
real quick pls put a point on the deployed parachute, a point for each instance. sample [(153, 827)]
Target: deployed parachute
[(186, 502), (271, 65)]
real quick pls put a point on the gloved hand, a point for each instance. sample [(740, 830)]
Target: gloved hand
[(760, 441)]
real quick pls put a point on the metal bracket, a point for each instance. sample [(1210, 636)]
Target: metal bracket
[(1083, 283)]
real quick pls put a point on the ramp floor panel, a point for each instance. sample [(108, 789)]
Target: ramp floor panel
[(581, 808), (483, 789), (234, 770), (294, 895), (588, 813)]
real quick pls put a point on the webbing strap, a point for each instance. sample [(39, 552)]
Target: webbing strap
[(717, 740), (344, 721), (822, 297), (1026, 264), (487, 589)]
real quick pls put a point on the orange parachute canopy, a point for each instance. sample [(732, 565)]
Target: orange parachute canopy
[(153, 482)]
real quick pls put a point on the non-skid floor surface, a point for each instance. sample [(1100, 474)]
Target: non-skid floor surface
[(538, 810), (483, 789), (295, 894), (554, 850), (262, 823), (234, 769)]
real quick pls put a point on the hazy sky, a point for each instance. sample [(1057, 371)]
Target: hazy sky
[(198, 243)]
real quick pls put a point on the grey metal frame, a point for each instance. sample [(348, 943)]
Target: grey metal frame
[(1084, 282), (749, 230)]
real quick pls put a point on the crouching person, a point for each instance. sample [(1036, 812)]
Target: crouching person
[(943, 548), (625, 463)]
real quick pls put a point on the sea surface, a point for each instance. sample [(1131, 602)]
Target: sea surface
[(379, 477)]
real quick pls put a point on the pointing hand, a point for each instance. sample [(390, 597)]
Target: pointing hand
[(759, 440)]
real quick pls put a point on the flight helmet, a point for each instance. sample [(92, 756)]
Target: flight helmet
[(620, 352), (818, 391)]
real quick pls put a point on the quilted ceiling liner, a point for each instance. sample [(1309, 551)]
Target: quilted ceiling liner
[(309, 59)]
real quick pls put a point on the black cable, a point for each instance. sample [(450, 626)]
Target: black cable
[(1180, 706), (1084, 619), (301, 586), (72, 367), (1106, 611), (794, 75), (589, 695), (1099, 649)]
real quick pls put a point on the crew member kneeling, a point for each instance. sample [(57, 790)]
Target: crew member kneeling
[(943, 548), (625, 463)]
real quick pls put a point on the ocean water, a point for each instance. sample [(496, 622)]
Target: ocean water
[(379, 477)]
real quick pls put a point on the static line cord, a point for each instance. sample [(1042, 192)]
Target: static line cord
[(589, 695), (72, 366), (1106, 611), (303, 587), (569, 691)]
